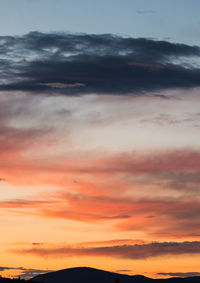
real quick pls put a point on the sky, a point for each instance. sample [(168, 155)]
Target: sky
[(99, 136)]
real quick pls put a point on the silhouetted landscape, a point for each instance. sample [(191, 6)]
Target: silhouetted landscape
[(9, 280), (91, 275)]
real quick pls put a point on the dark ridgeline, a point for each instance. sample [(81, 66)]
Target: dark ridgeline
[(14, 280), (9, 280), (92, 275)]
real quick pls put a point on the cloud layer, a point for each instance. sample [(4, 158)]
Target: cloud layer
[(179, 274), (157, 193), (75, 64), (137, 251), (88, 148), (25, 273)]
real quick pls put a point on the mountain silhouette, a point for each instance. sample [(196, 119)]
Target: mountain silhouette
[(92, 275)]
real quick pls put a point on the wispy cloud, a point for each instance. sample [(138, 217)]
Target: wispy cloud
[(179, 274), (181, 217), (25, 273), (137, 251), (162, 200)]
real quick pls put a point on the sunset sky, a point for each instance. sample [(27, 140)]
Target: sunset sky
[(100, 136)]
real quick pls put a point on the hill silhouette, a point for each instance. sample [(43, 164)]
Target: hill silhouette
[(92, 275), (14, 280)]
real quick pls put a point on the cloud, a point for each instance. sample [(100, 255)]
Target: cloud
[(20, 203), (153, 162), (191, 119), (180, 274), (13, 140), (77, 64), (30, 273), (59, 85), (26, 273), (137, 251), (124, 270), (2, 268), (145, 11), (155, 193), (172, 218), (19, 128), (183, 161), (111, 242)]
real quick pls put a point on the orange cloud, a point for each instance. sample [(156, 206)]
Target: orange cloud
[(156, 217)]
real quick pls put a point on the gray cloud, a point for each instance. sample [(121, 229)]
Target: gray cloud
[(136, 251), (75, 64), (25, 273), (124, 270), (180, 274)]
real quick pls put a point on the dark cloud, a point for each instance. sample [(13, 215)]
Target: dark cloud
[(136, 251), (2, 268), (180, 274), (75, 64), (25, 273), (124, 270), (30, 273)]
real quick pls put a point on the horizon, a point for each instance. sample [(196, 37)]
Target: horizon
[(99, 136), (123, 272), (117, 272)]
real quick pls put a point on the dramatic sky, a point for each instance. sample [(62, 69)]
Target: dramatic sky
[(99, 136)]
